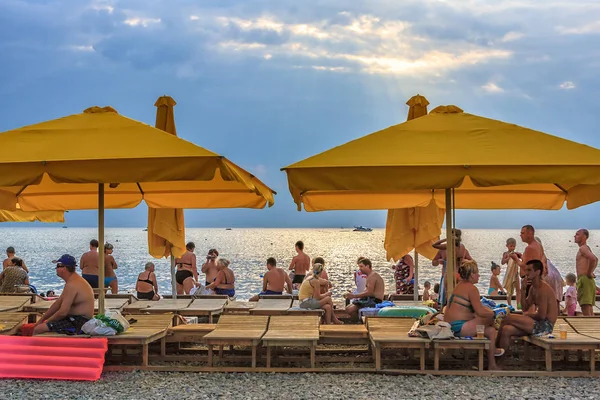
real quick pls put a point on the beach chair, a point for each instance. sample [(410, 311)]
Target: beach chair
[(479, 345), (190, 333), (296, 310), (239, 307), (292, 331), (11, 322), (14, 303), (163, 306), (271, 306), (204, 307), (576, 340), (392, 333), (343, 334), (237, 330)]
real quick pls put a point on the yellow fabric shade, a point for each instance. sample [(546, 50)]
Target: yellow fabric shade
[(166, 226), (56, 165), (28, 216), (416, 227), (492, 165)]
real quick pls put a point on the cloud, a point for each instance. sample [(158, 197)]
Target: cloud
[(143, 22), (591, 28), (491, 87), (512, 36), (567, 85)]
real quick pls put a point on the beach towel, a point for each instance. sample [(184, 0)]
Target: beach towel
[(555, 280), (510, 277)]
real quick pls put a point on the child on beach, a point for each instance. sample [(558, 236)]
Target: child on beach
[(436, 295), (512, 282), (570, 295), (426, 287), (495, 286)]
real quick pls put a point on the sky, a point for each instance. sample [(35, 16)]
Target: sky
[(267, 83)]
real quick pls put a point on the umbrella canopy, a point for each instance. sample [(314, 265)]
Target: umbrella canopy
[(57, 164), (166, 226), (32, 216), (492, 165), (416, 227)]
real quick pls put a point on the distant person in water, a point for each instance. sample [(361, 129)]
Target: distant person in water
[(224, 283), (275, 281), (110, 277), (146, 286), (300, 264), (13, 276), (10, 254), (89, 264), (209, 268), (187, 270), (74, 307)]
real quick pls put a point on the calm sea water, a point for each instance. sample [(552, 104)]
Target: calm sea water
[(249, 248)]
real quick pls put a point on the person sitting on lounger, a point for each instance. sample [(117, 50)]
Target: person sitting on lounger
[(274, 281), (373, 293), (146, 286), (74, 307), (465, 311), (224, 283), (311, 298), (536, 321), (14, 275)]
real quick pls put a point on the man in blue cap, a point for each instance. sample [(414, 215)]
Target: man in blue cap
[(74, 307)]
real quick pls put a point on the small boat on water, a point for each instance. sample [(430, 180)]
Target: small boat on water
[(227, 229), (145, 230), (362, 229)]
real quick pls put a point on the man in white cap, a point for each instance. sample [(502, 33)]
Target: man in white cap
[(74, 307)]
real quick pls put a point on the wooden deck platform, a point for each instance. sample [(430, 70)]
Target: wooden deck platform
[(11, 322)]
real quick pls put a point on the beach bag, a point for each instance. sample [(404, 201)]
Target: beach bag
[(201, 291), (97, 327), (108, 324), (117, 316), (441, 330)]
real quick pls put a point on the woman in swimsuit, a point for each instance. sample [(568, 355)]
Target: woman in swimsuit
[(224, 283), (440, 258), (110, 277), (146, 286), (187, 272), (465, 311)]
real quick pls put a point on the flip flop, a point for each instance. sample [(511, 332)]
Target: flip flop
[(501, 353)]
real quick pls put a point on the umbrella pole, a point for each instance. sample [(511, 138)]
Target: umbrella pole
[(101, 248), (173, 285), (416, 277), (450, 246)]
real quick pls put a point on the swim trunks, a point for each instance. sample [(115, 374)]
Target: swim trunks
[(270, 293), (366, 302), (91, 279), (586, 290), (70, 325), (310, 304), (298, 278), (228, 292), (542, 327), (182, 275), (491, 290), (456, 326), (108, 280)]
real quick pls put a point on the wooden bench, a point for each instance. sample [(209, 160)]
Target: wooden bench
[(271, 306), (343, 334), (11, 322), (43, 306), (292, 331), (575, 340), (204, 307), (191, 333), (392, 333), (237, 330), (239, 307)]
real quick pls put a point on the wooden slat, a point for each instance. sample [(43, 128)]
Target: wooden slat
[(240, 306), (10, 323), (271, 306), (13, 303), (205, 305), (242, 327), (293, 328), (346, 331)]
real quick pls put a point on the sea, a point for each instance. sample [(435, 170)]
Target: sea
[(248, 249)]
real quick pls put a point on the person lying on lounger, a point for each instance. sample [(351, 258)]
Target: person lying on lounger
[(274, 281)]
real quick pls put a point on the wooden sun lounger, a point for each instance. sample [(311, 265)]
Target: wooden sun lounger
[(14, 303), (292, 331), (575, 340), (296, 310), (33, 296), (239, 307), (271, 306), (11, 322), (343, 334), (43, 306), (204, 307), (190, 333), (480, 345), (237, 330), (392, 333), (163, 306)]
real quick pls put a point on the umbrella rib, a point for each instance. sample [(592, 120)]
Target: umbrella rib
[(561, 188), (21, 191), (140, 187)]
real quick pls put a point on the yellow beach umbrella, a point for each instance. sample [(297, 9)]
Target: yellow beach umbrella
[(100, 159), (32, 216), (459, 160)]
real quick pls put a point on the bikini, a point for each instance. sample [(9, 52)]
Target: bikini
[(146, 295), (457, 325), (183, 274), (228, 292)]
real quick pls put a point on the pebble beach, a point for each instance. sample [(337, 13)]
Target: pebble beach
[(171, 385)]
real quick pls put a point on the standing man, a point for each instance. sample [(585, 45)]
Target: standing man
[(585, 264), (300, 265), (74, 307), (373, 293), (533, 251), (89, 264)]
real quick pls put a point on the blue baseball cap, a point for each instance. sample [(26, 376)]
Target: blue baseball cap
[(67, 260)]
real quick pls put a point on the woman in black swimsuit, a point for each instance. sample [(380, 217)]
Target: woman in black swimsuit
[(187, 272), (146, 286)]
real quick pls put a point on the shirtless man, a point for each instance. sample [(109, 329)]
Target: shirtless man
[(89, 264), (274, 281), (373, 293), (110, 277), (540, 309), (585, 264), (210, 266), (533, 251), (10, 254), (300, 265), (74, 307)]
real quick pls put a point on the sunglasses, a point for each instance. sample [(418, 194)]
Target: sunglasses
[(59, 266)]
